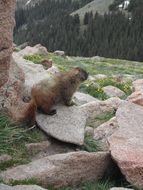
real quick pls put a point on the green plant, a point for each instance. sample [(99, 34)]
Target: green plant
[(90, 144), (10, 163), (9, 134), (25, 182), (97, 186), (95, 91), (35, 58), (13, 138), (105, 116)]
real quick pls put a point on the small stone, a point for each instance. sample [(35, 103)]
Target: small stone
[(138, 85), (47, 63), (100, 77), (5, 157), (37, 49), (113, 91), (98, 107), (136, 97), (34, 148), (59, 53), (82, 98), (89, 131)]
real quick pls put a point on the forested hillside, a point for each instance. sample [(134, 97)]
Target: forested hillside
[(115, 34)]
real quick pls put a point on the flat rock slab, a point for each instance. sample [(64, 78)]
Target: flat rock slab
[(126, 144), (67, 125), (21, 187), (62, 169)]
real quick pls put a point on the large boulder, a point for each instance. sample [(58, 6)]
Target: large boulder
[(62, 169), (113, 91), (11, 91), (67, 125), (20, 187), (126, 144), (11, 76), (7, 23)]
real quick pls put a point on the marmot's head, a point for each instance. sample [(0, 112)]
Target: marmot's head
[(81, 73)]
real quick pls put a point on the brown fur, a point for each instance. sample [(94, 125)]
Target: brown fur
[(47, 93), (61, 89), (28, 116), (22, 114)]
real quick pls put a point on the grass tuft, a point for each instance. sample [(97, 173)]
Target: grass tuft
[(12, 163), (91, 145), (13, 138), (97, 186), (95, 121)]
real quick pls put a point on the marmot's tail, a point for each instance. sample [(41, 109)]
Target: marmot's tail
[(29, 115), (23, 114)]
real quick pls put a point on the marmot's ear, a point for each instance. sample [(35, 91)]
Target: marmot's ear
[(76, 70)]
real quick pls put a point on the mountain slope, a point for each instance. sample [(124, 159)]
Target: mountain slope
[(97, 5), (26, 3)]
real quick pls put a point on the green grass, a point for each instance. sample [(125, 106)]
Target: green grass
[(12, 163), (13, 140), (34, 58), (105, 116), (93, 90), (91, 145), (25, 182), (95, 121), (94, 66), (97, 186), (102, 185)]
